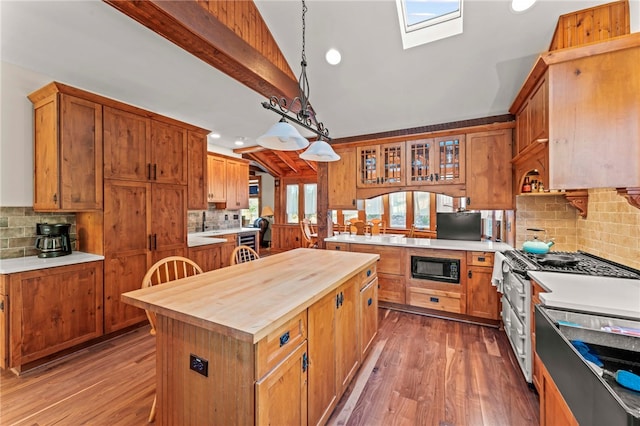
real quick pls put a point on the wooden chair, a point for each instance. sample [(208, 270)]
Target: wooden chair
[(242, 254), (377, 226), (168, 269), (356, 226), (418, 233), (310, 240)]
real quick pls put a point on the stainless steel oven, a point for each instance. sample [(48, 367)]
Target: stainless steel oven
[(435, 269)]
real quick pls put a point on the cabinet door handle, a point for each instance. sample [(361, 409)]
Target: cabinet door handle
[(369, 301), (469, 274), (437, 177), (149, 171), (155, 172), (284, 339), (468, 201), (431, 177), (150, 242), (305, 362), (155, 241), (368, 272), (353, 202), (337, 301)]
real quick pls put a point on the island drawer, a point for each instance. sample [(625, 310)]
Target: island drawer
[(275, 347), (337, 246), (479, 258), (435, 299), (366, 275)]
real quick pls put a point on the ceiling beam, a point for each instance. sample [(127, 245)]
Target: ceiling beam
[(261, 158), (284, 157), (191, 27)]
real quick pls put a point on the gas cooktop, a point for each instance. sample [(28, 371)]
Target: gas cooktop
[(582, 263)]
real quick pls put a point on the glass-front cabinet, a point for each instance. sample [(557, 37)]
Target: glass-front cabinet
[(436, 161), (381, 165)]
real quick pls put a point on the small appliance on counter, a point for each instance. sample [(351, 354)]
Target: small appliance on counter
[(52, 239)]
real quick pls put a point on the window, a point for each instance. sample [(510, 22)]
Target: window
[(426, 21), (310, 202), (374, 208), (398, 210), (349, 214), (422, 209), (292, 204)]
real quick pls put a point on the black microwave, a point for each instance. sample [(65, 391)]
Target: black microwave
[(435, 269)]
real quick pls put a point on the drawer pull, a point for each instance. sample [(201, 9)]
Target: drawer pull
[(284, 339), (481, 259), (338, 248), (434, 299), (369, 302), (368, 272)]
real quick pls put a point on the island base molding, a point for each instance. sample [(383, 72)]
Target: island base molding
[(417, 310)]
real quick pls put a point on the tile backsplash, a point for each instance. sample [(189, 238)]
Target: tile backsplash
[(18, 229), (215, 219), (611, 229)]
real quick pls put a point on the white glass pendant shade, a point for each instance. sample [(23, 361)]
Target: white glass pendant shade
[(282, 136), (320, 151)]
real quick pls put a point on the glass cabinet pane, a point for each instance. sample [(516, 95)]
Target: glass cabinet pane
[(368, 165), (392, 157), (420, 161), (449, 152)]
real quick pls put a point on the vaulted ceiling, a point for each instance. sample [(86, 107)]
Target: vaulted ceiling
[(378, 86)]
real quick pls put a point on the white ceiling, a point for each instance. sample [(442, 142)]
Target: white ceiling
[(377, 87)]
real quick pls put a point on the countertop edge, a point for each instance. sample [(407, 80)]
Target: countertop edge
[(425, 243), (34, 263)]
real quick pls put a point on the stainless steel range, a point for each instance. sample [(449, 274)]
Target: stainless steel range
[(516, 298)]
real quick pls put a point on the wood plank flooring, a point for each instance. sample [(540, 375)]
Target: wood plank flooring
[(421, 371)]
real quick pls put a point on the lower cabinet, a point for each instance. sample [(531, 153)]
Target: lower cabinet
[(554, 410), (482, 297), (213, 256), (368, 316), (391, 270), (50, 310)]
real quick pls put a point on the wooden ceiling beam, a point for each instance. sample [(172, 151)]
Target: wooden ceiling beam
[(312, 164), (261, 158), (284, 157), (194, 29)]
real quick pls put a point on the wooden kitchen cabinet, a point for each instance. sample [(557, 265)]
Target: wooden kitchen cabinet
[(282, 394), (197, 176), (436, 161), (342, 180), (143, 149), (144, 222), (368, 316), (381, 165), (333, 348), (574, 117), (488, 170), (482, 297), (207, 257), (554, 410), (51, 310), (390, 271), (67, 152), (237, 185), (536, 365), (217, 179)]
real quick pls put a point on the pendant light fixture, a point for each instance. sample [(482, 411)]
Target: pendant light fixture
[(283, 136)]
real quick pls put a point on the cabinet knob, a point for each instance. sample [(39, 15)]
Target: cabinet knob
[(470, 274), (369, 301), (368, 272)]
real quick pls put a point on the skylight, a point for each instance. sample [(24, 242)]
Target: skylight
[(424, 21)]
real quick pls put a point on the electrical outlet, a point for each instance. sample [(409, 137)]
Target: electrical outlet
[(199, 365), (235, 217), (226, 217)]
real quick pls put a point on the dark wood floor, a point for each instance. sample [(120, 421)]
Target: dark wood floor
[(421, 371)]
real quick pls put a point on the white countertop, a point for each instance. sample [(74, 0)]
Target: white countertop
[(32, 263), (612, 296), (401, 241), (196, 239)]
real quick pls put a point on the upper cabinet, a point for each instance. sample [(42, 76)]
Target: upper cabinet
[(67, 152), (228, 182), (342, 180), (139, 148), (381, 165), (436, 161), (578, 117), (489, 178)]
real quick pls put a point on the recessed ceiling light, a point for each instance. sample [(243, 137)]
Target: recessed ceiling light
[(521, 5), (333, 56), (239, 142), (214, 135)]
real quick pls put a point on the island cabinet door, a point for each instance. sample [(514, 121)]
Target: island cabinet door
[(281, 396), (322, 359), (368, 316), (347, 350)]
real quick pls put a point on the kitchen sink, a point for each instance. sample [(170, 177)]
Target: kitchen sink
[(593, 400)]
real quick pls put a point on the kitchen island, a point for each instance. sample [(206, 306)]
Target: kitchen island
[(246, 344)]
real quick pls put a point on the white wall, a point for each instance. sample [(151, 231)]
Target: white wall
[(267, 188), (16, 133), (634, 12)]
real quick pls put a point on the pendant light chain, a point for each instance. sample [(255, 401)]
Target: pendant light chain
[(304, 82)]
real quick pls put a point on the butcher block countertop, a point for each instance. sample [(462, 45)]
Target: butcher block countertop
[(400, 241), (610, 296), (250, 300)]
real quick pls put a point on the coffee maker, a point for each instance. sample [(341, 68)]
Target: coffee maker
[(52, 240)]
